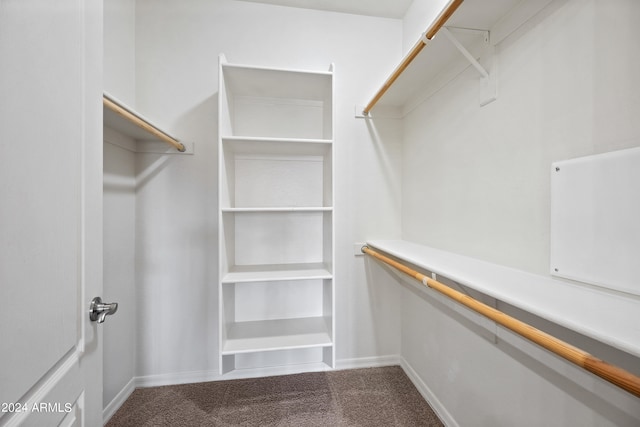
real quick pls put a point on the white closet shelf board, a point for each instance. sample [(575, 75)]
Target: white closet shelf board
[(609, 317), (278, 334), (278, 209), (277, 146), (146, 140), (276, 272), (275, 103), (277, 83), (440, 60)]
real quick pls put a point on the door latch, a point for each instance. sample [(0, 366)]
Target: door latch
[(99, 310)]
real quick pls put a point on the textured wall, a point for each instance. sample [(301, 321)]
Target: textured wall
[(476, 182)]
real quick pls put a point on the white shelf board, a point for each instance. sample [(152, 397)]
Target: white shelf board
[(278, 334), (146, 141), (438, 55), (242, 80), (122, 125), (500, 17), (277, 146), (256, 139), (276, 272), (607, 316), (279, 209)]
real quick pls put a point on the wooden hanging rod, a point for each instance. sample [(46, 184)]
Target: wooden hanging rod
[(611, 373), (142, 123), (428, 35)]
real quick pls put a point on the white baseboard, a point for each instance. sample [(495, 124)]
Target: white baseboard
[(428, 395), (204, 376), (368, 362), (117, 401), (177, 378)]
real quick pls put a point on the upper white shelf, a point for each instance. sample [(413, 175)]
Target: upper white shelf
[(275, 103), (260, 140), (607, 316), (277, 83), (440, 59), (278, 209), (276, 272), (117, 115), (277, 146)]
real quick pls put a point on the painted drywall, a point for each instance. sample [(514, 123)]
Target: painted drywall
[(119, 204), (119, 193), (476, 182), (475, 378), (177, 47), (119, 50), (565, 90)]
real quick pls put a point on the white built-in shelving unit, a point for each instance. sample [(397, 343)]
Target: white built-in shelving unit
[(276, 219)]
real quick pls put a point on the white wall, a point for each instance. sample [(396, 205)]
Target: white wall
[(476, 182), (119, 50), (119, 266), (119, 203), (566, 89), (177, 47)]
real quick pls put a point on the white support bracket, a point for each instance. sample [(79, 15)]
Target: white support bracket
[(491, 327), (488, 86)]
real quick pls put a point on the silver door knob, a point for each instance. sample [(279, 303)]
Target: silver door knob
[(99, 310)]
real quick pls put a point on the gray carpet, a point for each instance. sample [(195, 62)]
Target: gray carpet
[(359, 397)]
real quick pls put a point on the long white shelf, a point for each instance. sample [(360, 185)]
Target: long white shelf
[(255, 139), (440, 59), (277, 146), (278, 334), (279, 209), (607, 316), (124, 119), (276, 272), (273, 82)]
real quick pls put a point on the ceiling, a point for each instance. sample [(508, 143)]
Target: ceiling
[(383, 8)]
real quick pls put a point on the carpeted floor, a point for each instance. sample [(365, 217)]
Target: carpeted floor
[(359, 397)]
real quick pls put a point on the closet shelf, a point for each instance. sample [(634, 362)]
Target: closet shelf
[(607, 316), (277, 146), (277, 83), (470, 22), (278, 209), (255, 139), (124, 119), (276, 272), (278, 334)]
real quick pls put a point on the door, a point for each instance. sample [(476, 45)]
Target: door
[(50, 211)]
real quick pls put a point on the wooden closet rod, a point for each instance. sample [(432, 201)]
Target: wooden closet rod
[(142, 123), (428, 35), (611, 373)]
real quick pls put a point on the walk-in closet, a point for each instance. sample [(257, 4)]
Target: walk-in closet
[(297, 213)]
